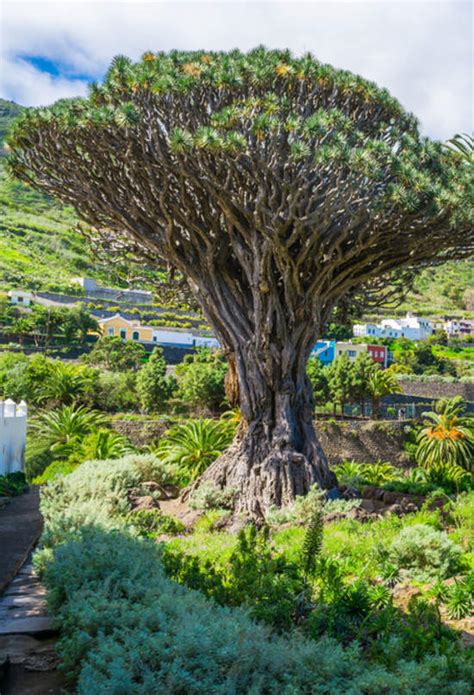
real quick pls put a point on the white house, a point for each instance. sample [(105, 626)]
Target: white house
[(12, 436), (21, 297), (367, 330), (462, 328), (412, 327)]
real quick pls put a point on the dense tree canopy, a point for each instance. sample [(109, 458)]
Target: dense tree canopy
[(279, 187)]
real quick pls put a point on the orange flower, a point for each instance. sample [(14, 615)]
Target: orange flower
[(282, 69)]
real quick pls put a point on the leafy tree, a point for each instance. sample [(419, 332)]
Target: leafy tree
[(202, 379), (381, 383), (111, 352), (447, 438), (280, 188), (340, 380), (318, 376), (362, 369), (154, 388)]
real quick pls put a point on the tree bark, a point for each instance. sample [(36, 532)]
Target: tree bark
[(276, 454)]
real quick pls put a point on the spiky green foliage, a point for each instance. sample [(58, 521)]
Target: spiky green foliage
[(195, 444), (63, 429), (447, 438), (241, 111)]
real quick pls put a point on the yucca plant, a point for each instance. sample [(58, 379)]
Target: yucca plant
[(195, 444), (447, 438)]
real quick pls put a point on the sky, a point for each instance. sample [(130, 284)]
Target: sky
[(421, 51)]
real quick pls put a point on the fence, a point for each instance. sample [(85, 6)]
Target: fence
[(13, 419)]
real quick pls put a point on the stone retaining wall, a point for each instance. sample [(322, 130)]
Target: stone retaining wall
[(364, 441), (438, 389)]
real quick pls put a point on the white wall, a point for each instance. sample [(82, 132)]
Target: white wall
[(13, 419)]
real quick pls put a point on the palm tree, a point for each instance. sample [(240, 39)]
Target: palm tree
[(447, 438), (63, 429), (100, 445), (380, 384), (64, 384), (195, 444), (462, 144)]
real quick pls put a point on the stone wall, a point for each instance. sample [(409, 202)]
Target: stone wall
[(438, 389), (142, 432), (364, 441)]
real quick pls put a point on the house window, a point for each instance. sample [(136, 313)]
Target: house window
[(20, 300), (111, 331), (135, 335), (155, 338), (351, 353), (123, 334)]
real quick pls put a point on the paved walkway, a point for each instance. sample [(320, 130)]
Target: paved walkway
[(28, 659), (20, 528)]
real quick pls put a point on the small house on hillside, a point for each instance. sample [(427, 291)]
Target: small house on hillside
[(21, 297), (127, 329)]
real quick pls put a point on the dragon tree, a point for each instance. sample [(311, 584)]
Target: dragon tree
[(280, 188)]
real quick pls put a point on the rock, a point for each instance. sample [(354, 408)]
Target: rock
[(144, 502), (370, 492), (368, 505)]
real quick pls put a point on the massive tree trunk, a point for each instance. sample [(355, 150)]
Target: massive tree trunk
[(276, 455)]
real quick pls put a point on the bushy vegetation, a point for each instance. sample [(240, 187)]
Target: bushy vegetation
[(125, 624), (12, 484)]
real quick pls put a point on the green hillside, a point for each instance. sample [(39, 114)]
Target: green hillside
[(39, 247)]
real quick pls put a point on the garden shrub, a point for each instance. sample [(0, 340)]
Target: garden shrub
[(56, 469), (425, 553), (127, 628), (208, 496), (116, 392), (152, 522), (201, 379), (12, 484)]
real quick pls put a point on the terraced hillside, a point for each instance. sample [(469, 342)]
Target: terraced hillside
[(39, 247)]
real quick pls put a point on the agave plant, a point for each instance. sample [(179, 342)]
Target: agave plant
[(64, 428), (447, 438), (195, 444)]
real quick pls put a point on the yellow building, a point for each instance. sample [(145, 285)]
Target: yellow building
[(121, 327)]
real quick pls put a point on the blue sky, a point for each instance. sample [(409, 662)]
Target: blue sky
[(421, 51)]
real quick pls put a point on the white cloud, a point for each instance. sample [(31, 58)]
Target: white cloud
[(420, 51)]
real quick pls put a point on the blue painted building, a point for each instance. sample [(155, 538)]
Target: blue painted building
[(324, 350)]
